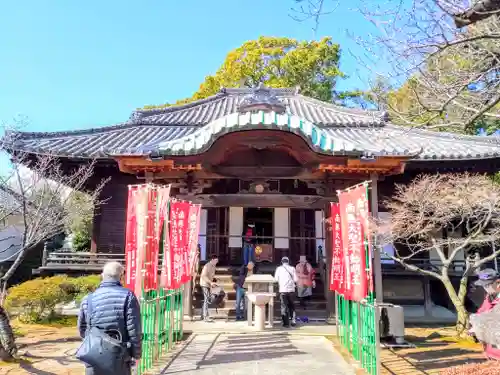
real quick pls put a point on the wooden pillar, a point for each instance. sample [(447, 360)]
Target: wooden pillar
[(377, 263)]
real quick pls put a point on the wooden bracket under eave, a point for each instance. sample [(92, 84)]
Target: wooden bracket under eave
[(134, 165), (381, 166)]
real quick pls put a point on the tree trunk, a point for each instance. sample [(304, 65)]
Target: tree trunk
[(8, 347), (458, 300)]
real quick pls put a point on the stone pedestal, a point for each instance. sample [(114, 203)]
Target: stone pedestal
[(260, 285), (259, 300), (260, 317)]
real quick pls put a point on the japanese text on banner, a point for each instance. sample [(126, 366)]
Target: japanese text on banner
[(353, 218), (179, 214), (131, 240), (194, 228), (338, 263), (163, 233)]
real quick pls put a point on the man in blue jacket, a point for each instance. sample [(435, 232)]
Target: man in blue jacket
[(114, 309)]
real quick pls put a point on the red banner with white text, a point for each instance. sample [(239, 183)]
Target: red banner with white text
[(151, 244), (353, 212), (193, 232), (142, 199), (337, 272), (179, 266), (131, 240), (162, 233), (155, 226)]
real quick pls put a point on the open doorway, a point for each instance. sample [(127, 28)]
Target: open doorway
[(263, 220)]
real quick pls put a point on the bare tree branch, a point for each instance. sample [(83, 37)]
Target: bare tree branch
[(455, 217), (45, 201), (448, 77), (312, 10)]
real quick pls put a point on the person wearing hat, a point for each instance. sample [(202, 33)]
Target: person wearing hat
[(286, 277), (489, 280)]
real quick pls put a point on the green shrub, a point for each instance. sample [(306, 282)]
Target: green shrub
[(36, 299), (81, 241), (84, 285)]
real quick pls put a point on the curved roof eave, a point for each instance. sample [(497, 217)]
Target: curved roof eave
[(318, 139)]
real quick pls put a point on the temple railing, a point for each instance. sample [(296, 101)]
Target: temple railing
[(65, 259)]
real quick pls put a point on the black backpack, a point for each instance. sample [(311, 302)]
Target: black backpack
[(217, 299)]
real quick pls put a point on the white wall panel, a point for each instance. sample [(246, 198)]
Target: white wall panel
[(235, 226), (202, 235), (281, 228)]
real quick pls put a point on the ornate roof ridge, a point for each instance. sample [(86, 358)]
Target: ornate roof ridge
[(224, 91), (137, 115)]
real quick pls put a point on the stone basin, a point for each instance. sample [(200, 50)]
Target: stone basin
[(260, 298)]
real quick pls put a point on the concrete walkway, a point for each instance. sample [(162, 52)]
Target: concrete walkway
[(253, 353)]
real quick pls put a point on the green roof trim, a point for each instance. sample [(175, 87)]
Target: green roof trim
[(199, 141)]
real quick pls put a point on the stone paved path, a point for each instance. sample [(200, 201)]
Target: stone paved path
[(248, 354)]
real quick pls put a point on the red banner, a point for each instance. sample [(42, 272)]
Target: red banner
[(141, 212), (131, 240), (152, 243), (193, 231), (162, 233), (337, 272), (179, 266), (353, 212)]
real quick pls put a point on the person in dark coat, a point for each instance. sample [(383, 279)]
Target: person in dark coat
[(114, 309), (245, 271)]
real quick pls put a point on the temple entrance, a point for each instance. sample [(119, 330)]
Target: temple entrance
[(263, 219)]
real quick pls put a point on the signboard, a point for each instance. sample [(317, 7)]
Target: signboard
[(337, 272), (179, 266), (353, 212)]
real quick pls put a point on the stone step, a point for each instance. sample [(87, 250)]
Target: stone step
[(262, 269), (231, 295), (229, 312), (234, 278), (231, 305)]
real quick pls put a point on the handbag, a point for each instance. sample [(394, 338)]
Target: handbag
[(104, 353)]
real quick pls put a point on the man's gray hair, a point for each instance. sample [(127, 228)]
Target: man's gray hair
[(112, 271)]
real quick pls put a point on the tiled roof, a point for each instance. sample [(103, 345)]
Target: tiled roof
[(364, 131), (96, 143), (202, 112), (395, 140)]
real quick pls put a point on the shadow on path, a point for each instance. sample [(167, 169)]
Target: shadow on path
[(250, 348)]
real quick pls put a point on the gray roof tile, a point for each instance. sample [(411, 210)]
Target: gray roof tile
[(228, 100), (364, 130)]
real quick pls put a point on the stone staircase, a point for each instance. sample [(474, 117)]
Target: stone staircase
[(227, 276)]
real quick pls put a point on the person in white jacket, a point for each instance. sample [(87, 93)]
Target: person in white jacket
[(286, 277)]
